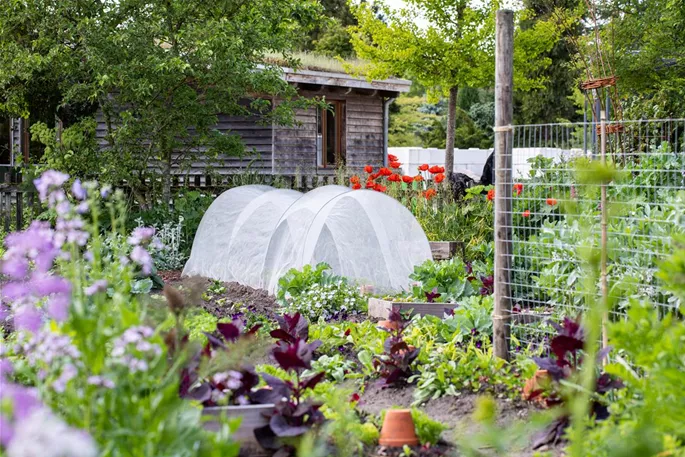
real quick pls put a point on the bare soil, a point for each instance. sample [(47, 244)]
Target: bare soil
[(454, 412)]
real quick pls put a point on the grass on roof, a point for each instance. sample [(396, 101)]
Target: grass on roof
[(316, 62)]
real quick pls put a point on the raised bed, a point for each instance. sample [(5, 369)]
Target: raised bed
[(381, 308), (445, 250), (252, 418)]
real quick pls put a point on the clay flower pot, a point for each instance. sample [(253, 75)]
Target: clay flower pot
[(390, 325), (398, 429), (532, 388)]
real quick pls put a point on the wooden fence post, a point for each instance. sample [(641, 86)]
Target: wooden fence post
[(504, 113)]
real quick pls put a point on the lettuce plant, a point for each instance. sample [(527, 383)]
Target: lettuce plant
[(394, 365), (294, 414)]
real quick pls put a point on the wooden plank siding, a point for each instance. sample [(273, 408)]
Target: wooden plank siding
[(290, 150), (256, 137), (295, 147)]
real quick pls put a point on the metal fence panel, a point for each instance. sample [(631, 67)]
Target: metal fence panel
[(554, 214)]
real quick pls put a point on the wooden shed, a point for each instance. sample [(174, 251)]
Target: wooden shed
[(351, 133)]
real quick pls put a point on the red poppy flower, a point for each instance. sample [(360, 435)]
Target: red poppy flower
[(370, 184), (374, 176), (551, 201), (356, 186), (354, 179), (392, 158), (368, 169), (526, 213), (395, 164), (491, 194), (423, 167), (436, 169), (354, 397), (418, 178), (439, 178), (379, 188), (407, 179), (518, 188), (430, 193), (385, 172), (394, 178)]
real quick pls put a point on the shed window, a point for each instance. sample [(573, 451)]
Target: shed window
[(5, 142), (330, 140)]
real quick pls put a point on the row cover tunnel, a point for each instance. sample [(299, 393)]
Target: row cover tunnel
[(254, 234)]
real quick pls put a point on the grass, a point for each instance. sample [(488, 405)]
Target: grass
[(316, 62)]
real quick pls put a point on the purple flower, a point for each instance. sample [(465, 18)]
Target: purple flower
[(105, 191), (78, 191), (47, 285), (58, 307), (24, 399), (27, 317), (141, 235), (479, 344), (15, 268), (141, 257), (82, 208), (6, 432), (48, 182), (97, 287), (5, 369), (100, 381)]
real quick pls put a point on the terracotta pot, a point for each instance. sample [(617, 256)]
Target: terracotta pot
[(398, 429), (390, 325), (538, 382)]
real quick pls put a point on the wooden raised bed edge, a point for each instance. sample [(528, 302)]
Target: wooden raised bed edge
[(253, 417), (381, 308), (444, 250)]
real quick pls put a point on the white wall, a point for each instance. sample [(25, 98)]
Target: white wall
[(471, 161)]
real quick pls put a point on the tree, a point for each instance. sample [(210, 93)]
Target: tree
[(454, 49), (554, 101), (158, 72), (645, 41)]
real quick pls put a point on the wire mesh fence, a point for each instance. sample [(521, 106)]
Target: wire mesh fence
[(556, 216)]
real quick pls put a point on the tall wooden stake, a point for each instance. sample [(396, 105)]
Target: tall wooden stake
[(504, 113), (604, 223)]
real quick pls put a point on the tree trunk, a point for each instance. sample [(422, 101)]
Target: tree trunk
[(451, 127), (166, 179)]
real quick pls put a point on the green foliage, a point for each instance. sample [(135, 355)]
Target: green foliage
[(449, 278), (138, 411), (469, 220), (427, 430), (188, 206), (296, 282), (336, 367), (158, 72), (332, 300), (316, 293), (648, 417)]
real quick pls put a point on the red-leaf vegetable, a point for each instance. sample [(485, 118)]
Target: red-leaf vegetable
[(565, 363), (292, 416), (226, 387), (394, 365)]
